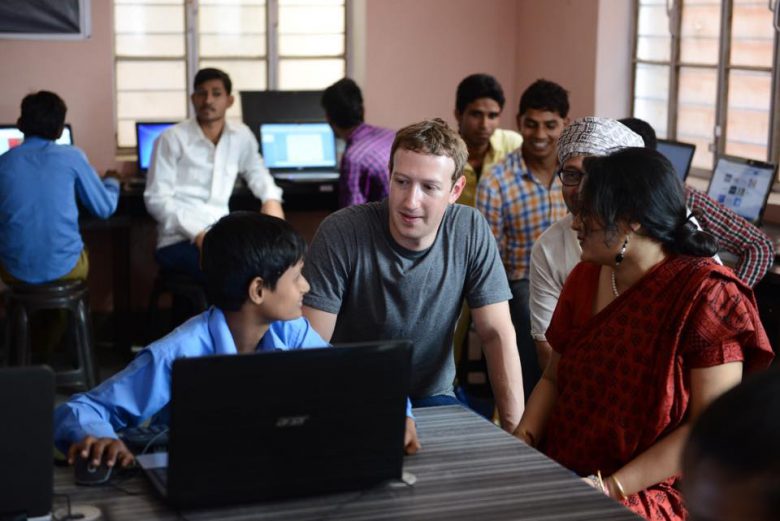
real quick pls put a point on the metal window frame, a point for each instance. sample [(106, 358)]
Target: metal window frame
[(192, 56), (723, 68)]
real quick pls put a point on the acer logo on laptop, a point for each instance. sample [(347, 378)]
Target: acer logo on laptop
[(292, 421)]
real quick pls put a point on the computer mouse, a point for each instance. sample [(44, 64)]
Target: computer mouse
[(87, 474)]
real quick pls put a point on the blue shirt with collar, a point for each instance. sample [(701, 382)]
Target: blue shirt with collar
[(39, 219), (143, 389)]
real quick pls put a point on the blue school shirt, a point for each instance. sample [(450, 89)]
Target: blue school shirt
[(143, 389), (39, 219)]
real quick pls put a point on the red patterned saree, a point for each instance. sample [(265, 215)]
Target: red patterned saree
[(624, 373)]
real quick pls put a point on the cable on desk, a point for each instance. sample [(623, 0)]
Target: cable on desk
[(69, 514)]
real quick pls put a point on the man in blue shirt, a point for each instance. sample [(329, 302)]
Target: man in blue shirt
[(39, 183), (252, 265)]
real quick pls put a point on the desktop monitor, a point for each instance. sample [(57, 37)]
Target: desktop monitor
[(146, 133), (11, 136), (742, 185), (679, 154), (298, 147)]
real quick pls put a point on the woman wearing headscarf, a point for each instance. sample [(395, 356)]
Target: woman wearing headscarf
[(648, 330)]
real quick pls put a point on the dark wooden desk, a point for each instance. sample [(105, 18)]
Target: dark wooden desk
[(122, 266), (468, 470)]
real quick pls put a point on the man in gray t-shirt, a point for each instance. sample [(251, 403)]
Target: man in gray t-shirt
[(401, 268)]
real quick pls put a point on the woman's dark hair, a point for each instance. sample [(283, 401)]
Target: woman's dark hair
[(43, 115), (343, 103), (639, 185), (740, 433), (478, 86), (245, 245)]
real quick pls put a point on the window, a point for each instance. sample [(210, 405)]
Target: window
[(262, 44), (705, 73)]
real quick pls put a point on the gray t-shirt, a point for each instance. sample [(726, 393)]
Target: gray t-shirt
[(380, 290)]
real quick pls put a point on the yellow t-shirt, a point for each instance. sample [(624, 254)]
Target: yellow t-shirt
[(502, 142)]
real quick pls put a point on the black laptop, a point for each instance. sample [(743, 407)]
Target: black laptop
[(246, 428), (26, 441), (679, 154)]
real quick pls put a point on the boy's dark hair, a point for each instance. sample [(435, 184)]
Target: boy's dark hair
[(245, 245), (43, 115), (343, 103), (740, 433), (644, 129), (478, 86), (546, 96), (204, 75)]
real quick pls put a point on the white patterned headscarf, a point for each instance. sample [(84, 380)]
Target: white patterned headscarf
[(594, 136)]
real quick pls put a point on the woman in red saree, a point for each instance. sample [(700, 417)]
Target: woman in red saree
[(648, 330)]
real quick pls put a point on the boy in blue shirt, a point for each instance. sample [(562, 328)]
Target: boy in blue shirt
[(252, 265)]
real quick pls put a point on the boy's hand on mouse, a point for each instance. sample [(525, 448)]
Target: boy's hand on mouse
[(411, 443), (96, 450)]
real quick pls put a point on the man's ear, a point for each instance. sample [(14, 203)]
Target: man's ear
[(230, 100), (457, 188), (255, 291)]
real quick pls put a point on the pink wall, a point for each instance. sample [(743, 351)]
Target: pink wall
[(415, 52), (418, 51), (81, 72), (556, 40)]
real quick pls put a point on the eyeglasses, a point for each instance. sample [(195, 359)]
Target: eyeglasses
[(570, 177)]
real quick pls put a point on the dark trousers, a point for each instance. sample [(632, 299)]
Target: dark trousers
[(521, 319), (181, 257)]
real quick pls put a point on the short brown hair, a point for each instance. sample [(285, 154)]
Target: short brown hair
[(434, 137)]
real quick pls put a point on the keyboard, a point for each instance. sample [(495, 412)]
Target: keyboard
[(152, 438)]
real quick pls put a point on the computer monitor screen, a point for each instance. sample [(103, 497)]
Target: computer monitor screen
[(292, 146), (10, 137), (146, 133), (742, 185), (679, 154)]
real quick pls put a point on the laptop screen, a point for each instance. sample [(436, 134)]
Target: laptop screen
[(679, 154), (297, 146), (145, 135), (742, 185), (10, 137)]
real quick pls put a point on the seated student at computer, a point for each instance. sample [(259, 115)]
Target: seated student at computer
[(40, 182), (193, 169), (363, 170), (252, 266), (754, 250)]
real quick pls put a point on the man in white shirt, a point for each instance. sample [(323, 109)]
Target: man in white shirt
[(192, 172)]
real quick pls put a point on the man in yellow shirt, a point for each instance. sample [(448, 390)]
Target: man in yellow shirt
[(478, 104)]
